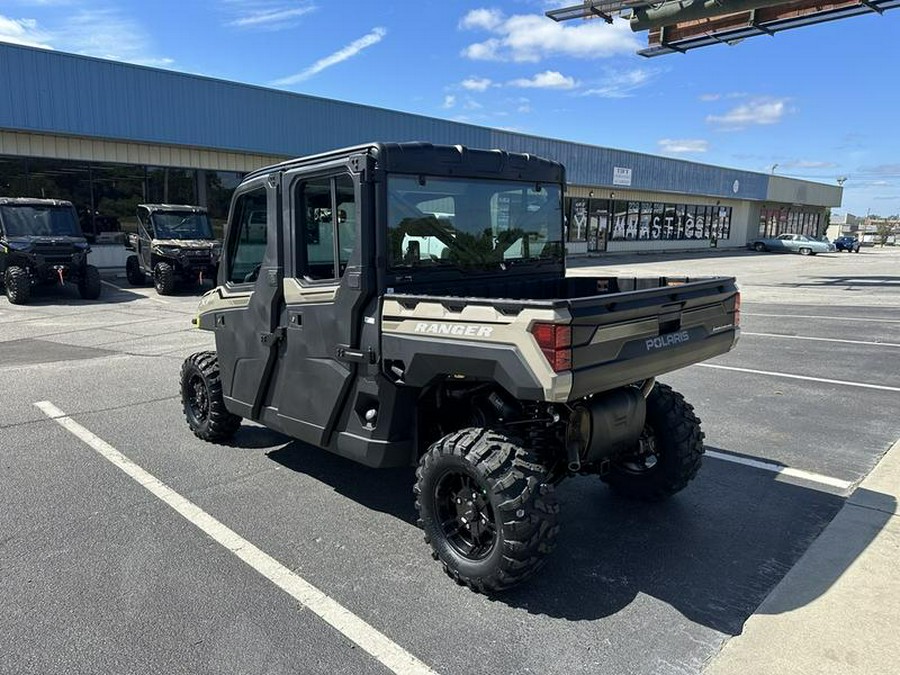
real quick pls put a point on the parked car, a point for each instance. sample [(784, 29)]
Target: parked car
[(849, 244), (792, 243)]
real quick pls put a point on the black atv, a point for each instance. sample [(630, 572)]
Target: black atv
[(172, 242), (42, 243)]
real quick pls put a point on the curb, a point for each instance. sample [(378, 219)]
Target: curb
[(838, 609)]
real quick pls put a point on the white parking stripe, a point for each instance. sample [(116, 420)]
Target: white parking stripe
[(782, 470), (368, 638), (125, 290), (789, 376), (834, 318), (821, 339)]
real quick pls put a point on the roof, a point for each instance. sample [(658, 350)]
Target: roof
[(33, 201), (173, 207), (94, 98)]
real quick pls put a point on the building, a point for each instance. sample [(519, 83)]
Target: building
[(870, 230), (108, 135)]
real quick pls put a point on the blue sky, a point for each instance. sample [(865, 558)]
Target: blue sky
[(819, 102)]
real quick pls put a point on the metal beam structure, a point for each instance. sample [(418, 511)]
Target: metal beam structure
[(677, 26), (732, 28)]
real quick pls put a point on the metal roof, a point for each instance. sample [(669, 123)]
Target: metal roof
[(56, 93)]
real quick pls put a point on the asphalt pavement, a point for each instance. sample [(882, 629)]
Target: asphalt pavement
[(100, 575)]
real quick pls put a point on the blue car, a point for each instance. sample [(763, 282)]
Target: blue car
[(849, 244)]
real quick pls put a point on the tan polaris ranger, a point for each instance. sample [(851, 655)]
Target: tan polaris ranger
[(407, 304), (172, 242)]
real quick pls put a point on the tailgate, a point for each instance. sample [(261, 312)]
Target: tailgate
[(630, 336)]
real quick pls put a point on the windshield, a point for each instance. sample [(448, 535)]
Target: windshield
[(456, 222), (39, 221), (181, 225)]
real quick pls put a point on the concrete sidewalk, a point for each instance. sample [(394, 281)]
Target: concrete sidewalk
[(838, 609)]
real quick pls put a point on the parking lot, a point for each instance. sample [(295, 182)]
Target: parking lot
[(100, 575)]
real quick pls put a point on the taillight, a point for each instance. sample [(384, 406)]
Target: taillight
[(737, 310), (555, 341)]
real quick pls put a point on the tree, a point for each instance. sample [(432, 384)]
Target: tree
[(883, 230)]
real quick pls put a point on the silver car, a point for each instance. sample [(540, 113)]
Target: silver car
[(792, 243)]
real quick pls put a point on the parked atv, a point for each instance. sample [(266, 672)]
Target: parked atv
[(173, 242), (42, 243), (408, 304)]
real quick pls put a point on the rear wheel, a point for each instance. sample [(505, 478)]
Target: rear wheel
[(759, 246), (164, 278), (668, 454), (486, 507), (89, 285), (18, 285), (201, 398), (133, 271), (805, 251)]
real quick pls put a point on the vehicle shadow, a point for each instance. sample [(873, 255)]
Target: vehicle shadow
[(390, 493), (54, 294), (713, 552)]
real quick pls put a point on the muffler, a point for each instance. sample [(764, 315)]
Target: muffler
[(604, 426)]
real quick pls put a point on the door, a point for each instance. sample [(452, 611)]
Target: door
[(324, 297), (247, 329), (145, 236)]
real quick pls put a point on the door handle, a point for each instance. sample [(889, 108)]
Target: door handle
[(355, 356)]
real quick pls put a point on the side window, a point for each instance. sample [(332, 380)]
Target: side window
[(326, 210), (248, 244)]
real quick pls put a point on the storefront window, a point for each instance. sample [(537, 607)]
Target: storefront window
[(106, 195)]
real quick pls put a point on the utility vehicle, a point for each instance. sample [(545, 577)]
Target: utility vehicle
[(173, 241), (408, 304), (42, 243)]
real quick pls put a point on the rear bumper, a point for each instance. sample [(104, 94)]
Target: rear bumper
[(622, 371)]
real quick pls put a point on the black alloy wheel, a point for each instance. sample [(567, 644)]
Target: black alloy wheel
[(202, 400), (464, 512), (164, 278), (17, 282), (487, 508)]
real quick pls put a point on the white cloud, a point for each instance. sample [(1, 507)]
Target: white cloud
[(716, 97), (266, 14), (621, 84), (549, 79), (760, 111), (22, 32), (807, 164), (280, 18), (90, 32), (484, 19), (449, 101), (683, 145), (476, 83), (532, 37), (339, 56)]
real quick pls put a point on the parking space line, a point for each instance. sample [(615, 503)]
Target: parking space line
[(821, 339), (863, 385), (124, 290), (782, 470), (834, 318), (343, 620)]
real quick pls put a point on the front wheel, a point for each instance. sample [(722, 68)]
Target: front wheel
[(805, 251), (133, 271), (201, 398), (486, 507), (164, 278), (668, 454), (90, 285), (18, 285)]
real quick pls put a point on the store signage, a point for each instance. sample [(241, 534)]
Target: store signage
[(621, 176)]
